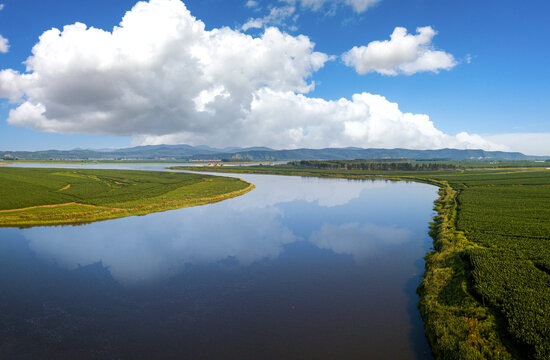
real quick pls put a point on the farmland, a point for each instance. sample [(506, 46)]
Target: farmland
[(486, 289), (30, 197)]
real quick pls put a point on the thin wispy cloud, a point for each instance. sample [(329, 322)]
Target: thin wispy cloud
[(278, 16), (4, 43), (358, 6), (286, 15)]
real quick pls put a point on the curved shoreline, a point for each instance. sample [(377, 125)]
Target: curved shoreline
[(457, 322), (109, 213), (463, 330), (79, 212)]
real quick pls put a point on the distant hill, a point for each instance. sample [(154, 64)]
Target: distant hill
[(203, 152), (358, 153)]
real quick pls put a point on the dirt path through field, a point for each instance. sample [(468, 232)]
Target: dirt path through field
[(65, 187), (59, 205)]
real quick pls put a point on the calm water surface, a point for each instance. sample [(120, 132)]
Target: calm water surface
[(299, 268)]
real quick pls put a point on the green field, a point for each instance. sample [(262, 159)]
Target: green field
[(30, 197), (486, 289)]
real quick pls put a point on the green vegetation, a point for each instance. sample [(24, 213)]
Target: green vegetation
[(30, 197), (366, 164), (486, 289)]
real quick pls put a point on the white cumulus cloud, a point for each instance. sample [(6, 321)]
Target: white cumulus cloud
[(161, 77), (289, 120), (403, 54), (159, 71), (12, 84)]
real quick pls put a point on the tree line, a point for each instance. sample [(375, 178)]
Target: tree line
[(373, 165)]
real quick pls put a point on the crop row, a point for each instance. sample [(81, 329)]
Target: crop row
[(511, 223), (511, 282)]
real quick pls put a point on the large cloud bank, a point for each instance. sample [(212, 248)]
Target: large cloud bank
[(160, 77), (402, 54)]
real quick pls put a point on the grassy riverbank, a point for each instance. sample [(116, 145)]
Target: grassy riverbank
[(30, 197), (486, 290)]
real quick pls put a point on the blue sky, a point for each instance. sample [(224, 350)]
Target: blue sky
[(497, 87)]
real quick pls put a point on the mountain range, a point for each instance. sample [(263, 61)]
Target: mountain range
[(205, 153)]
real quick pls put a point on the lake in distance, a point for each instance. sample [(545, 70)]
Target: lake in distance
[(298, 268)]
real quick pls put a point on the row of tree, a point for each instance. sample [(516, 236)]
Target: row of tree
[(373, 165)]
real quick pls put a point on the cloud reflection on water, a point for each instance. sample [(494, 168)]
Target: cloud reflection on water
[(138, 250), (359, 240)]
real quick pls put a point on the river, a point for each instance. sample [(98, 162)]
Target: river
[(298, 268)]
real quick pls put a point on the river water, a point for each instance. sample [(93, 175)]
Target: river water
[(298, 268)]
